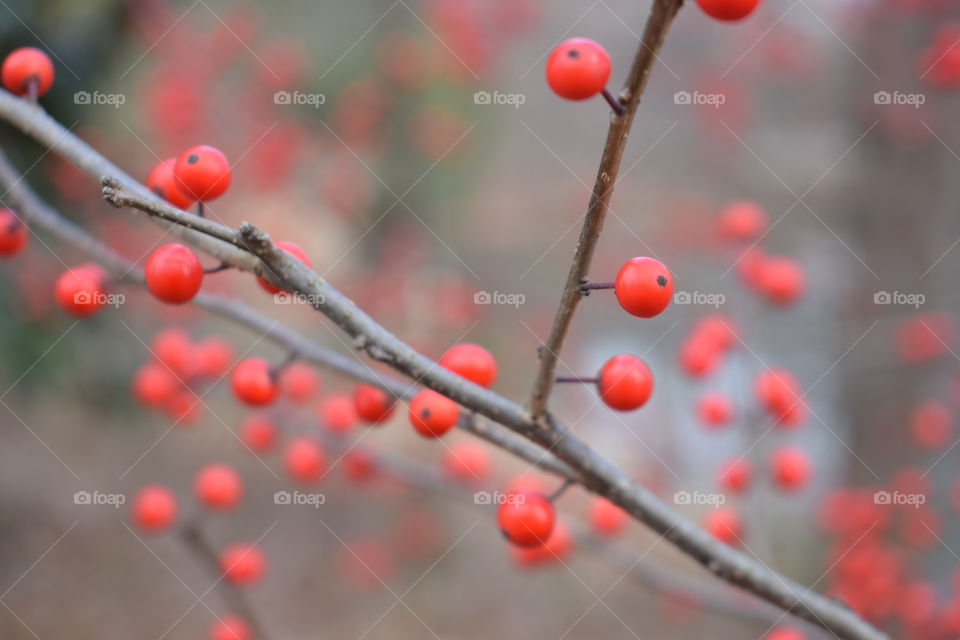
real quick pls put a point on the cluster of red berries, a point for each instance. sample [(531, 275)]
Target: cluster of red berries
[(199, 174)]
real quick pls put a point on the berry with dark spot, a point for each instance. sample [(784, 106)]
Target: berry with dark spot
[(644, 287), (578, 69)]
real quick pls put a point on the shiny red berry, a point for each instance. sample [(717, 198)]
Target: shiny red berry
[(554, 550), (25, 66), (218, 486), (258, 433), (625, 383), (13, 234), (230, 628), (338, 413), (242, 563), (202, 173), (643, 287), (728, 10), (578, 69), (294, 250), (160, 180), (373, 405), (174, 274), (253, 382), (79, 291), (305, 460), (433, 414), (154, 508), (790, 467), (470, 361), (526, 518)]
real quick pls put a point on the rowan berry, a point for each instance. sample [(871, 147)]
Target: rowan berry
[(373, 405), (578, 69), (644, 287), (253, 382), (25, 66), (625, 383), (173, 274), (526, 518), (470, 361), (202, 173), (433, 414)]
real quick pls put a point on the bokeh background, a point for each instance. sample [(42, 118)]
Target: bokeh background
[(416, 197)]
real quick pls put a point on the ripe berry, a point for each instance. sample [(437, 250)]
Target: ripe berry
[(781, 280), (294, 250), (161, 181), (173, 348), (242, 563), (153, 385), (202, 173), (467, 462), (558, 546), (931, 424), (359, 465), (778, 392), (79, 291), (213, 357), (698, 357), (253, 382), (784, 633), (728, 10), (433, 414), (735, 475), (299, 382), (643, 287), (723, 523), (218, 486), (526, 518), (25, 66), (13, 234), (338, 413), (625, 383), (743, 220), (372, 404), (305, 460), (606, 518), (173, 274), (258, 433), (154, 508), (714, 409), (230, 628), (470, 361), (578, 69), (791, 468)]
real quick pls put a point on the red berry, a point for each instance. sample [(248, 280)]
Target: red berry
[(153, 385), (931, 424), (735, 475), (373, 405), (779, 394), (294, 250), (218, 486), (606, 518), (578, 69), (258, 433), (791, 468), (79, 291), (161, 182), (723, 523), (433, 414), (213, 357), (173, 274), (299, 382), (643, 287), (728, 10), (743, 220), (359, 465), (784, 633), (782, 280), (338, 413), (526, 518), (252, 382), (714, 409), (242, 563), (25, 65), (154, 508), (305, 460), (202, 173), (698, 357), (625, 383), (467, 462), (230, 628), (13, 234), (557, 547), (470, 361), (172, 347)]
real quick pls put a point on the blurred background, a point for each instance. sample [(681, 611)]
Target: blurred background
[(415, 151)]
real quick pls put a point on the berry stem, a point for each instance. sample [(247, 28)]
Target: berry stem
[(615, 104), (223, 266), (33, 89), (560, 490), (575, 379), (587, 287), (292, 357), (200, 211)]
